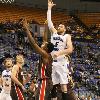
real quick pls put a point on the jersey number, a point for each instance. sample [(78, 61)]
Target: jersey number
[(6, 83), (55, 46)]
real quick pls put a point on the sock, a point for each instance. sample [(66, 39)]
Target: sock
[(54, 92), (65, 96)]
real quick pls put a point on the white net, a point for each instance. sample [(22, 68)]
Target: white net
[(7, 1)]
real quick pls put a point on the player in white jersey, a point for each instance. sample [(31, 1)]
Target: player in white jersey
[(62, 46), (5, 93), (6, 80)]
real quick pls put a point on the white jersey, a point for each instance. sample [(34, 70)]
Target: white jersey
[(6, 78), (60, 64), (59, 42)]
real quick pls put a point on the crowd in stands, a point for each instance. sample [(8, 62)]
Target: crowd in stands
[(85, 58)]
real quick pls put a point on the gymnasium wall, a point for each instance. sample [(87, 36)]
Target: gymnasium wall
[(69, 5)]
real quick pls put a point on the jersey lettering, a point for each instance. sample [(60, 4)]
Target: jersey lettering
[(7, 76), (57, 38)]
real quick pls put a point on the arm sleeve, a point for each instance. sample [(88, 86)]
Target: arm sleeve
[(50, 24)]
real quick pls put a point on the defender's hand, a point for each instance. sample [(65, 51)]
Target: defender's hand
[(25, 24), (23, 88)]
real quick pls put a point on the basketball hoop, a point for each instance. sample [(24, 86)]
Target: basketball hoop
[(6, 1)]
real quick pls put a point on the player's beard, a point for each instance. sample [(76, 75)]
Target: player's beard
[(60, 32)]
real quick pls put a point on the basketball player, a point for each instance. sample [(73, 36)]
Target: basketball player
[(44, 67), (17, 91), (62, 46), (6, 80)]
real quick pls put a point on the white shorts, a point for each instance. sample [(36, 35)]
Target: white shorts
[(60, 72), (5, 96)]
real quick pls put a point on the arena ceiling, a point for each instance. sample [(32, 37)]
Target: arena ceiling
[(37, 3)]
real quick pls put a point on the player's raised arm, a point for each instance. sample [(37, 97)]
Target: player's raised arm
[(50, 24), (45, 33), (32, 41)]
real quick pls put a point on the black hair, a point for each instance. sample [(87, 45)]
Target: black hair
[(9, 58), (50, 47), (6, 56)]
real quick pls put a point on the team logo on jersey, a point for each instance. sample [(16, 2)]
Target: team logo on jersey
[(58, 38), (7, 76)]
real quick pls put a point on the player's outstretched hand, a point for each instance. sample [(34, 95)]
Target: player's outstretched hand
[(25, 24), (50, 4)]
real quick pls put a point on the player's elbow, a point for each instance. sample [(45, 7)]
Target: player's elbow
[(71, 50)]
